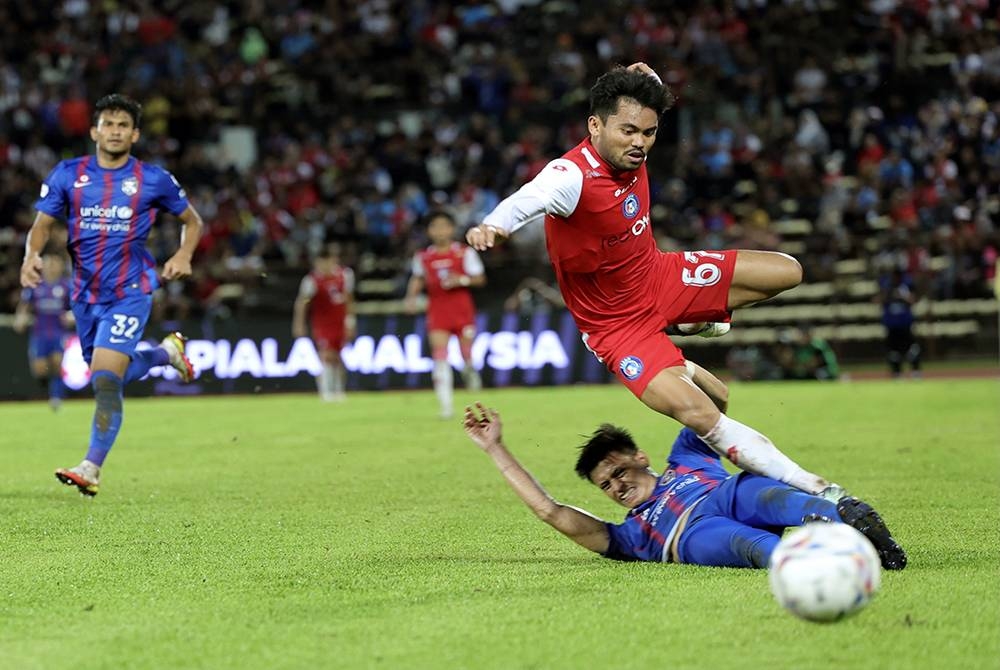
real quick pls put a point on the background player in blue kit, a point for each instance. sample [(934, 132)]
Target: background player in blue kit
[(695, 512), (49, 304), (108, 200)]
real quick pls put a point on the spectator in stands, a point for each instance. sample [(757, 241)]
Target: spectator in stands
[(322, 166), (803, 355)]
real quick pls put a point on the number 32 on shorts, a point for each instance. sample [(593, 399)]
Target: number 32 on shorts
[(125, 325), (705, 272)]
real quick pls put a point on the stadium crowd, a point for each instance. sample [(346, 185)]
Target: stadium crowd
[(304, 122)]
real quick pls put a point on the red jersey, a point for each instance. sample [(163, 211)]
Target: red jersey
[(621, 289), (328, 296), (433, 265), (604, 253)]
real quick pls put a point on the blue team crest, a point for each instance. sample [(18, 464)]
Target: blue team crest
[(631, 367), (130, 186), (631, 206)]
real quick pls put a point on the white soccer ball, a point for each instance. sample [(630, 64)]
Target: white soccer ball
[(824, 571)]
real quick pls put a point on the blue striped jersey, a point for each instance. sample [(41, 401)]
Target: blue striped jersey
[(109, 213)]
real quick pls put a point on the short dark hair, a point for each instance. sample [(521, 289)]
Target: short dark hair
[(605, 440), (633, 84), (117, 102)]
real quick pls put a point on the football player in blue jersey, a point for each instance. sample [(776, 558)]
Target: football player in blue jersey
[(48, 303), (109, 201), (694, 512)]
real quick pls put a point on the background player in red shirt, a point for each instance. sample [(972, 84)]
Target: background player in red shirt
[(446, 270), (622, 291), (327, 294)]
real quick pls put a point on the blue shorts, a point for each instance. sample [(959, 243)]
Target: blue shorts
[(112, 325), (738, 524), (43, 346)]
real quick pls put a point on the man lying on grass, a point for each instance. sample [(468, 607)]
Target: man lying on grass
[(695, 512)]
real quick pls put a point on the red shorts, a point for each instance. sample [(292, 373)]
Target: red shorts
[(459, 322), (693, 287), (328, 339)]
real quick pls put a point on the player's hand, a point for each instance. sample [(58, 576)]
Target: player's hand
[(483, 426), (298, 331), (410, 304), (31, 271), (178, 267), (645, 69), (483, 237)]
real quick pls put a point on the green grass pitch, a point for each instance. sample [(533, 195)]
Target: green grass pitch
[(279, 532)]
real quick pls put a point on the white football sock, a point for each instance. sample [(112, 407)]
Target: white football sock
[(325, 381), (337, 381), (444, 381), (754, 453), (473, 382)]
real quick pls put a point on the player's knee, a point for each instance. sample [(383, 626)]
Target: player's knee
[(700, 418), (789, 272), (107, 391)]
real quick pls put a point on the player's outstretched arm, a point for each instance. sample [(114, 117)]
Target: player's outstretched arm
[(483, 427)]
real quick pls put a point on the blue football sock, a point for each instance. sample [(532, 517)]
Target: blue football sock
[(143, 360), (107, 416), (56, 387)]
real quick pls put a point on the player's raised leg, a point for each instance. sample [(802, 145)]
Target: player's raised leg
[(170, 352), (759, 275), (672, 392)]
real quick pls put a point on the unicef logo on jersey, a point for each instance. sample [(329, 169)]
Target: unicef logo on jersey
[(631, 367), (631, 206), (125, 212)]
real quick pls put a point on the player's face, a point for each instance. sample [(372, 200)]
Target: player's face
[(440, 230), (627, 136), (115, 133), (625, 478), (322, 265)]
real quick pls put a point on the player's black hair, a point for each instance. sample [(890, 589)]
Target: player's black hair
[(605, 440), (118, 103), (623, 83), (438, 213)]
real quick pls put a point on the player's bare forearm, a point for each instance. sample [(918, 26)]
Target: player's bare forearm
[(483, 427), (413, 289), (179, 265), (38, 237), (579, 526), (299, 317)]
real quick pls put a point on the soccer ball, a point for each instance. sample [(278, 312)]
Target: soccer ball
[(824, 571)]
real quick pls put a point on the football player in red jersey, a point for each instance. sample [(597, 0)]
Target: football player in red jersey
[(327, 294), (623, 292), (446, 270)]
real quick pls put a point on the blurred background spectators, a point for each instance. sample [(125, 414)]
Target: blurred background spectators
[(865, 131)]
